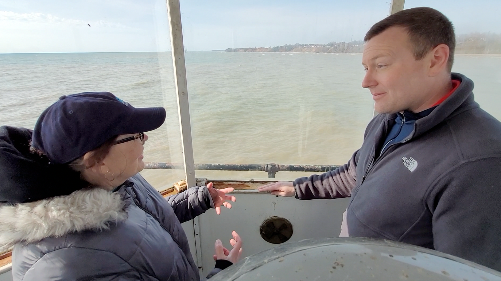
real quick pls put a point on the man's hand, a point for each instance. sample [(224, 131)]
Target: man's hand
[(219, 197), (281, 188), (224, 254)]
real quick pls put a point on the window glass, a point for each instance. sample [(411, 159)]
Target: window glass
[(478, 45), (54, 48), (277, 81)]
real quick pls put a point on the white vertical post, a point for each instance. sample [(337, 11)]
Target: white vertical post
[(396, 6), (176, 34), (183, 105)]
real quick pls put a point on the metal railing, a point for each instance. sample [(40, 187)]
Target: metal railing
[(271, 168)]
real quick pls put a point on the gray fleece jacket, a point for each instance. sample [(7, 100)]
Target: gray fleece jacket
[(93, 234), (439, 188)]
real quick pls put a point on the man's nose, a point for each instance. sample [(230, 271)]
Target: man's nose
[(368, 80)]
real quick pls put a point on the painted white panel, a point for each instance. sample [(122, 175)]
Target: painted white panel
[(309, 218), (6, 273)]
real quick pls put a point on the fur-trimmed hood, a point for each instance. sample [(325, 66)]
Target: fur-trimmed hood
[(27, 176), (148, 243), (91, 208)]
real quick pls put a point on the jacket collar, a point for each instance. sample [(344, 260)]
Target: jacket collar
[(460, 100), (86, 209)]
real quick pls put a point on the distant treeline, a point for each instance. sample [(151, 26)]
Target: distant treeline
[(473, 43)]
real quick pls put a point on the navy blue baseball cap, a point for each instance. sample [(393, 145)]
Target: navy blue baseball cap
[(79, 123)]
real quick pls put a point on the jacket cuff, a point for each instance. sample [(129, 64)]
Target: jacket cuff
[(222, 264), (207, 196)]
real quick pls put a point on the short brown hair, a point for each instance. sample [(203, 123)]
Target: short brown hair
[(96, 155), (427, 28)]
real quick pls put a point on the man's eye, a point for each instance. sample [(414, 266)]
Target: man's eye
[(381, 65)]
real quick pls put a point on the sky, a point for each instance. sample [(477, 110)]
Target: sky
[(54, 26)]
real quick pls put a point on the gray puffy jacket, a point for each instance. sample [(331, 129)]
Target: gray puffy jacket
[(93, 234)]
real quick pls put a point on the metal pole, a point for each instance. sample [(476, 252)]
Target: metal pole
[(176, 34), (183, 105), (396, 6)]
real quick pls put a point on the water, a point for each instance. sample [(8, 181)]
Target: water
[(246, 108)]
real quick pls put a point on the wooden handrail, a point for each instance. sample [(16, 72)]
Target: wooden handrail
[(5, 258)]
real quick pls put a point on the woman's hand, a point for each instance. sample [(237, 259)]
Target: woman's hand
[(224, 254), (219, 197)]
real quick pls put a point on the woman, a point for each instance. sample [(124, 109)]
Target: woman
[(76, 208)]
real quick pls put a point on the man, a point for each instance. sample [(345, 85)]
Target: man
[(429, 170)]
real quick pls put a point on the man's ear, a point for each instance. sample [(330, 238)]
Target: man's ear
[(438, 58)]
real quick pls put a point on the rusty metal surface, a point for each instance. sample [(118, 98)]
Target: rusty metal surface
[(238, 185), (221, 184), (5, 258)]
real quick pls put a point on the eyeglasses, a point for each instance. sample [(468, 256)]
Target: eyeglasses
[(139, 136)]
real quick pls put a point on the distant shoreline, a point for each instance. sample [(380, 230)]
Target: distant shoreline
[(354, 53), (473, 43), (222, 51)]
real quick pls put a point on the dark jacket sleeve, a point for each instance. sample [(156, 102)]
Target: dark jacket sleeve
[(466, 216), (80, 264), (191, 203), (333, 184), (213, 272)]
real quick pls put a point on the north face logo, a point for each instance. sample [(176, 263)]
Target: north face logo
[(410, 163)]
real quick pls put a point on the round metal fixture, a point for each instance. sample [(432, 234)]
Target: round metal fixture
[(276, 230)]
